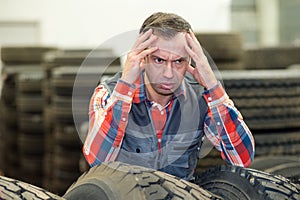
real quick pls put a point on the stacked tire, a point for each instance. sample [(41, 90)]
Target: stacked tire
[(71, 78), (21, 112), (269, 103), (280, 57), (225, 48), (268, 99), (9, 126), (30, 119)]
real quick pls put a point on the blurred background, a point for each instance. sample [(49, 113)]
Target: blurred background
[(254, 43)]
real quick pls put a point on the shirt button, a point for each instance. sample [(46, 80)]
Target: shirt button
[(209, 98), (129, 93), (218, 123), (123, 119), (162, 112)]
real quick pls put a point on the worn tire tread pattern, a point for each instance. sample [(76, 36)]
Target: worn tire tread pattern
[(135, 182), (251, 183), (14, 190)]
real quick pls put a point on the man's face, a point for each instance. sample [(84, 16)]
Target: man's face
[(166, 67)]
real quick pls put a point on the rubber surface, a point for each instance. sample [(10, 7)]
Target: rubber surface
[(12, 189), (117, 180), (237, 183)]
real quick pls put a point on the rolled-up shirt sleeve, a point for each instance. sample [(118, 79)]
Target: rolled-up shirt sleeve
[(108, 115), (225, 128)]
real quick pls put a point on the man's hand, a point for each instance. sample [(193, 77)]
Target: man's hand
[(202, 73), (135, 58)]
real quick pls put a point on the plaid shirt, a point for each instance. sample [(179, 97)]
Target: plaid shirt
[(224, 125)]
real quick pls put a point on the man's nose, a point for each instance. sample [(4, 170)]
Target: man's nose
[(168, 71)]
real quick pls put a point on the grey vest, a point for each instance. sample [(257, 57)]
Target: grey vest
[(182, 136)]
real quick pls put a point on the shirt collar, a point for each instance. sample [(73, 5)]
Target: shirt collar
[(140, 93)]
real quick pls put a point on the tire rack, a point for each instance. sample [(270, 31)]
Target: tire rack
[(16, 135), (63, 148), (269, 101)]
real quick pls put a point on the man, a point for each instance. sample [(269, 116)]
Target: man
[(154, 115)]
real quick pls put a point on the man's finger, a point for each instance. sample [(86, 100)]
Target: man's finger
[(146, 43), (194, 45), (143, 37), (191, 52), (146, 52), (190, 69)]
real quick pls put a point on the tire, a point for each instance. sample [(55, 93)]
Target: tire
[(66, 135), (75, 57), (25, 54), (30, 103), (28, 83), (31, 144), (265, 162), (222, 46), (289, 170), (230, 65), (271, 57), (280, 142), (237, 183), (267, 99), (117, 180), (31, 123), (12, 189), (287, 166)]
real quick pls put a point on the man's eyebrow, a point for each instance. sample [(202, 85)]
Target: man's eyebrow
[(180, 58), (156, 56)]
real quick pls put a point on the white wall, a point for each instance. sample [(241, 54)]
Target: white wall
[(88, 23)]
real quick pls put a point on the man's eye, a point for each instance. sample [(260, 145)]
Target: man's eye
[(179, 61), (158, 60)]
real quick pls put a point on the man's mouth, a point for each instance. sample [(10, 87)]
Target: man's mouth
[(166, 86)]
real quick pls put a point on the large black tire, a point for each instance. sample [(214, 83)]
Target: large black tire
[(237, 183), (12, 189), (287, 166), (115, 180)]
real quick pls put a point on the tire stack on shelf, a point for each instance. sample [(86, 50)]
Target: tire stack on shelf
[(225, 48), (278, 141), (9, 126), (71, 78), (269, 101), (30, 119), (279, 57), (21, 99), (266, 90)]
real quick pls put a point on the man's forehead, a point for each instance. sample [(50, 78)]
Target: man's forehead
[(166, 53), (174, 46)]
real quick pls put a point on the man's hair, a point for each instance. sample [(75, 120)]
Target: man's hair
[(166, 25)]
